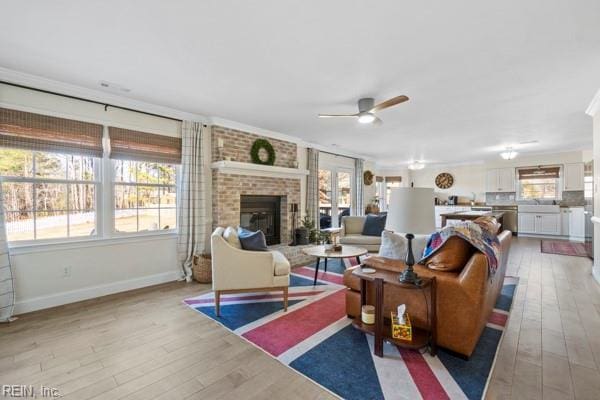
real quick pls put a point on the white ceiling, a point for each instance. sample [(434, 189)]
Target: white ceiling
[(481, 75)]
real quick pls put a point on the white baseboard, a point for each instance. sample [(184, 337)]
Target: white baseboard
[(72, 296), (596, 272)]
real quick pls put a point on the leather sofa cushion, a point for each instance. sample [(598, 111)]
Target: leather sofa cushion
[(453, 255), (282, 265), (360, 239)]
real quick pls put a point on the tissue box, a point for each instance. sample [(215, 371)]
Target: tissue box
[(401, 331)]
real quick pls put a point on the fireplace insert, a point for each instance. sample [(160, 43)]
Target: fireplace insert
[(262, 213)]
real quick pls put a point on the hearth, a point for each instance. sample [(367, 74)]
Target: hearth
[(264, 213)]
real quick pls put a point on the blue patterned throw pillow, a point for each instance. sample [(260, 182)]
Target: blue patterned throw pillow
[(254, 241)]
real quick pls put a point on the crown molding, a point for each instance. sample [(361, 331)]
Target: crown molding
[(39, 82), (226, 123), (594, 106)]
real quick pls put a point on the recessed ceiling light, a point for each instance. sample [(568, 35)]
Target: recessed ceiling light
[(509, 154), (416, 165)]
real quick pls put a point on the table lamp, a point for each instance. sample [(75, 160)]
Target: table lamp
[(411, 211)]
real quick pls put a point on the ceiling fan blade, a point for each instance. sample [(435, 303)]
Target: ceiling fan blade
[(337, 115), (389, 103), (377, 121)]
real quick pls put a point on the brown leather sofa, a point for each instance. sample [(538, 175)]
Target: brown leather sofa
[(465, 298)]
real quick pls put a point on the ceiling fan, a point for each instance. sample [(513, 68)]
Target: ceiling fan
[(367, 109)]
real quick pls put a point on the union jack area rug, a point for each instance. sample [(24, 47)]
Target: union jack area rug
[(316, 338)]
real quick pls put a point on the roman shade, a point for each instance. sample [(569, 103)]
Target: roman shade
[(126, 144), (539, 173), (389, 179), (379, 179), (38, 132)]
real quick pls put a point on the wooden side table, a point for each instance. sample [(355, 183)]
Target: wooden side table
[(420, 337)]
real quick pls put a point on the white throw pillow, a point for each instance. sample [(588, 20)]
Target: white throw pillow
[(232, 237), (394, 245)]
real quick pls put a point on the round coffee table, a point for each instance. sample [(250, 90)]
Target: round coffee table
[(321, 252)]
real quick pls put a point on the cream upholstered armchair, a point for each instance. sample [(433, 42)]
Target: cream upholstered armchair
[(351, 234), (236, 271)]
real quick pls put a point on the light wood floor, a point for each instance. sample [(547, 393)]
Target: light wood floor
[(551, 348), (146, 344)]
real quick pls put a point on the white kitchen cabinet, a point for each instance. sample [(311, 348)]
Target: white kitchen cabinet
[(506, 177), (576, 223), (541, 224), (564, 221), (547, 224), (573, 177), (527, 222), (500, 180)]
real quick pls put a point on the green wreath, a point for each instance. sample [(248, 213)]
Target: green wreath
[(262, 144)]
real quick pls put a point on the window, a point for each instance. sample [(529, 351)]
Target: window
[(145, 196), (335, 195), (48, 195), (384, 185), (53, 188), (541, 183)]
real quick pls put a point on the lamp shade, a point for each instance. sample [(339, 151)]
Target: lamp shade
[(411, 210)]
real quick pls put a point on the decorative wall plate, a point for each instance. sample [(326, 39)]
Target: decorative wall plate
[(444, 180)]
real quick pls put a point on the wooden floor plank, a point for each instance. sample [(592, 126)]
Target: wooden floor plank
[(146, 344)]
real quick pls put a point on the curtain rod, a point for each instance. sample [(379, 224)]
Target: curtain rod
[(106, 105)]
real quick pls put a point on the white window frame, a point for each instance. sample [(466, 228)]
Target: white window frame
[(559, 187), (113, 183), (105, 206), (98, 186), (381, 192), (334, 169)]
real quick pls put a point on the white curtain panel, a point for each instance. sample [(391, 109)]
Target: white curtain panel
[(7, 288), (192, 213), (312, 186), (359, 206)]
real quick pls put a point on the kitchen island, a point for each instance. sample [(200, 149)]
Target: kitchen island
[(471, 215)]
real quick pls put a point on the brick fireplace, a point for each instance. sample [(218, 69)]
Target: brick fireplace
[(234, 176)]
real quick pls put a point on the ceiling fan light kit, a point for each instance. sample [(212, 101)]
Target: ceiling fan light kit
[(367, 109), (366, 118)]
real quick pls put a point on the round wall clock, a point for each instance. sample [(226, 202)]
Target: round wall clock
[(444, 180), (368, 178)]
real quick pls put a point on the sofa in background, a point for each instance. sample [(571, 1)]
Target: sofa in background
[(235, 270), (351, 234), (465, 298)]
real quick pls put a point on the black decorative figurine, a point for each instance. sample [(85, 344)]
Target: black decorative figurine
[(409, 275)]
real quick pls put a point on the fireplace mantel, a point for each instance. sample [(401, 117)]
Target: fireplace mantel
[(241, 168)]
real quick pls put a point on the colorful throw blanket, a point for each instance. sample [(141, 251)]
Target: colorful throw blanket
[(481, 239)]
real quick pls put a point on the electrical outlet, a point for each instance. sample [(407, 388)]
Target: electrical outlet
[(66, 271), (497, 197)]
